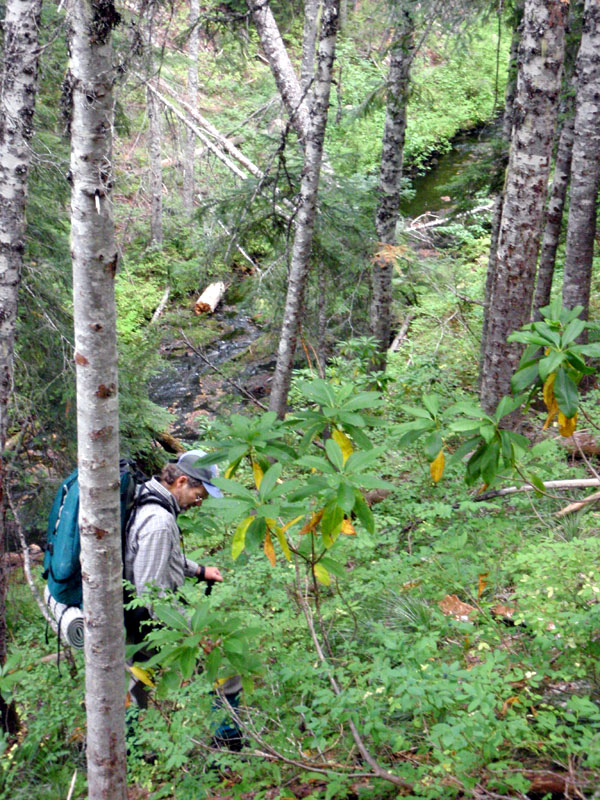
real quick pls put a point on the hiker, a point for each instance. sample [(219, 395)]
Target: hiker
[(153, 553)]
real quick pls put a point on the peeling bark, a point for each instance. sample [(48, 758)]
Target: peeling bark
[(286, 80), (585, 166), (305, 219), (390, 175), (538, 86), (94, 260), (21, 26)]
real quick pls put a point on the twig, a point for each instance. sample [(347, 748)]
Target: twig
[(221, 373), (72, 786), (575, 483)]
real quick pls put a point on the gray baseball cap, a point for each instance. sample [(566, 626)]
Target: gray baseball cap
[(205, 472)]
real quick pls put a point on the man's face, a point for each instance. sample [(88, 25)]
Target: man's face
[(188, 496)]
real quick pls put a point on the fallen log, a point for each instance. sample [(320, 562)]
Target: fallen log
[(401, 335), (210, 298), (575, 483)]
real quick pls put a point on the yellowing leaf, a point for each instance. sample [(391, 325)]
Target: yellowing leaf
[(345, 445), (283, 542), (348, 527), (239, 537), (290, 523), (483, 582), (548, 391), (436, 468), (269, 549), (141, 675), (566, 425), (551, 414), (321, 574), (258, 473), (314, 521)]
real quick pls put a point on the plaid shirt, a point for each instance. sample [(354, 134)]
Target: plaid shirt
[(153, 554)]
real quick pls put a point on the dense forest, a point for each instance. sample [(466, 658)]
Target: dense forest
[(348, 250)]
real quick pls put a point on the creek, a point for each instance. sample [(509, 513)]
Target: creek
[(193, 391)]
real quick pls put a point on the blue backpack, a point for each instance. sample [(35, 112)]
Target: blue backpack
[(62, 568)]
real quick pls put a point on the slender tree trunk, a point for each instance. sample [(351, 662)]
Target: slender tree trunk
[(309, 41), (94, 266), (286, 80), (562, 166), (538, 87), (585, 166), (190, 139), (21, 27), (154, 151), (554, 211), (305, 219), (500, 171), (390, 176)]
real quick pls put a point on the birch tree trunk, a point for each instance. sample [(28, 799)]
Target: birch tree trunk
[(554, 211), (585, 166), (94, 266), (390, 176), (305, 219), (538, 87), (21, 27), (309, 41), (499, 173), (190, 139), (154, 151), (562, 166), (286, 80)]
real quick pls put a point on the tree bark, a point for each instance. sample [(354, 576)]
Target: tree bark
[(390, 176), (585, 166), (309, 40), (190, 139), (560, 179), (500, 170), (305, 220), (21, 26), (538, 87), (154, 151), (94, 265), (286, 80)]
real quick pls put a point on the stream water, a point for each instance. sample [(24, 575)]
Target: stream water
[(192, 390)]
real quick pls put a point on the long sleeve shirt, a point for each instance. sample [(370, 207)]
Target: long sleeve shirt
[(153, 554)]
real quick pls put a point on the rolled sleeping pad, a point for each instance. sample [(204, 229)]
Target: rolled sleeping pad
[(68, 618)]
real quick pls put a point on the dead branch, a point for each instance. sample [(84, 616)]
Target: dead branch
[(572, 507), (575, 483), (161, 306), (401, 335)]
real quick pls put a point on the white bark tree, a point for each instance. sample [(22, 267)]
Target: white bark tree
[(585, 166), (94, 265), (154, 146), (305, 219), (390, 173), (21, 26), (538, 86), (192, 97), (285, 77)]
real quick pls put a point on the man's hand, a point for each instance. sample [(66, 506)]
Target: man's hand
[(212, 574)]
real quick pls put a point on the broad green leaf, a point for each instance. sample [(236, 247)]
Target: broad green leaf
[(170, 617), (345, 497), (566, 393), (363, 512), (255, 533), (487, 432), (550, 363), (359, 460), (417, 412), (316, 462), (269, 480), (432, 404), (546, 331), (187, 663), (321, 574), (462, 451), (334, 567), (363, 400), (213, 662), (199, 619), (489, 461), (537, 483), (331, 522), (234, 488), (433, 445), (573, 330), (523, 378), (334, 453), (239, 537), (507, 405), (463, 425), (592, 350), (359, 436)]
